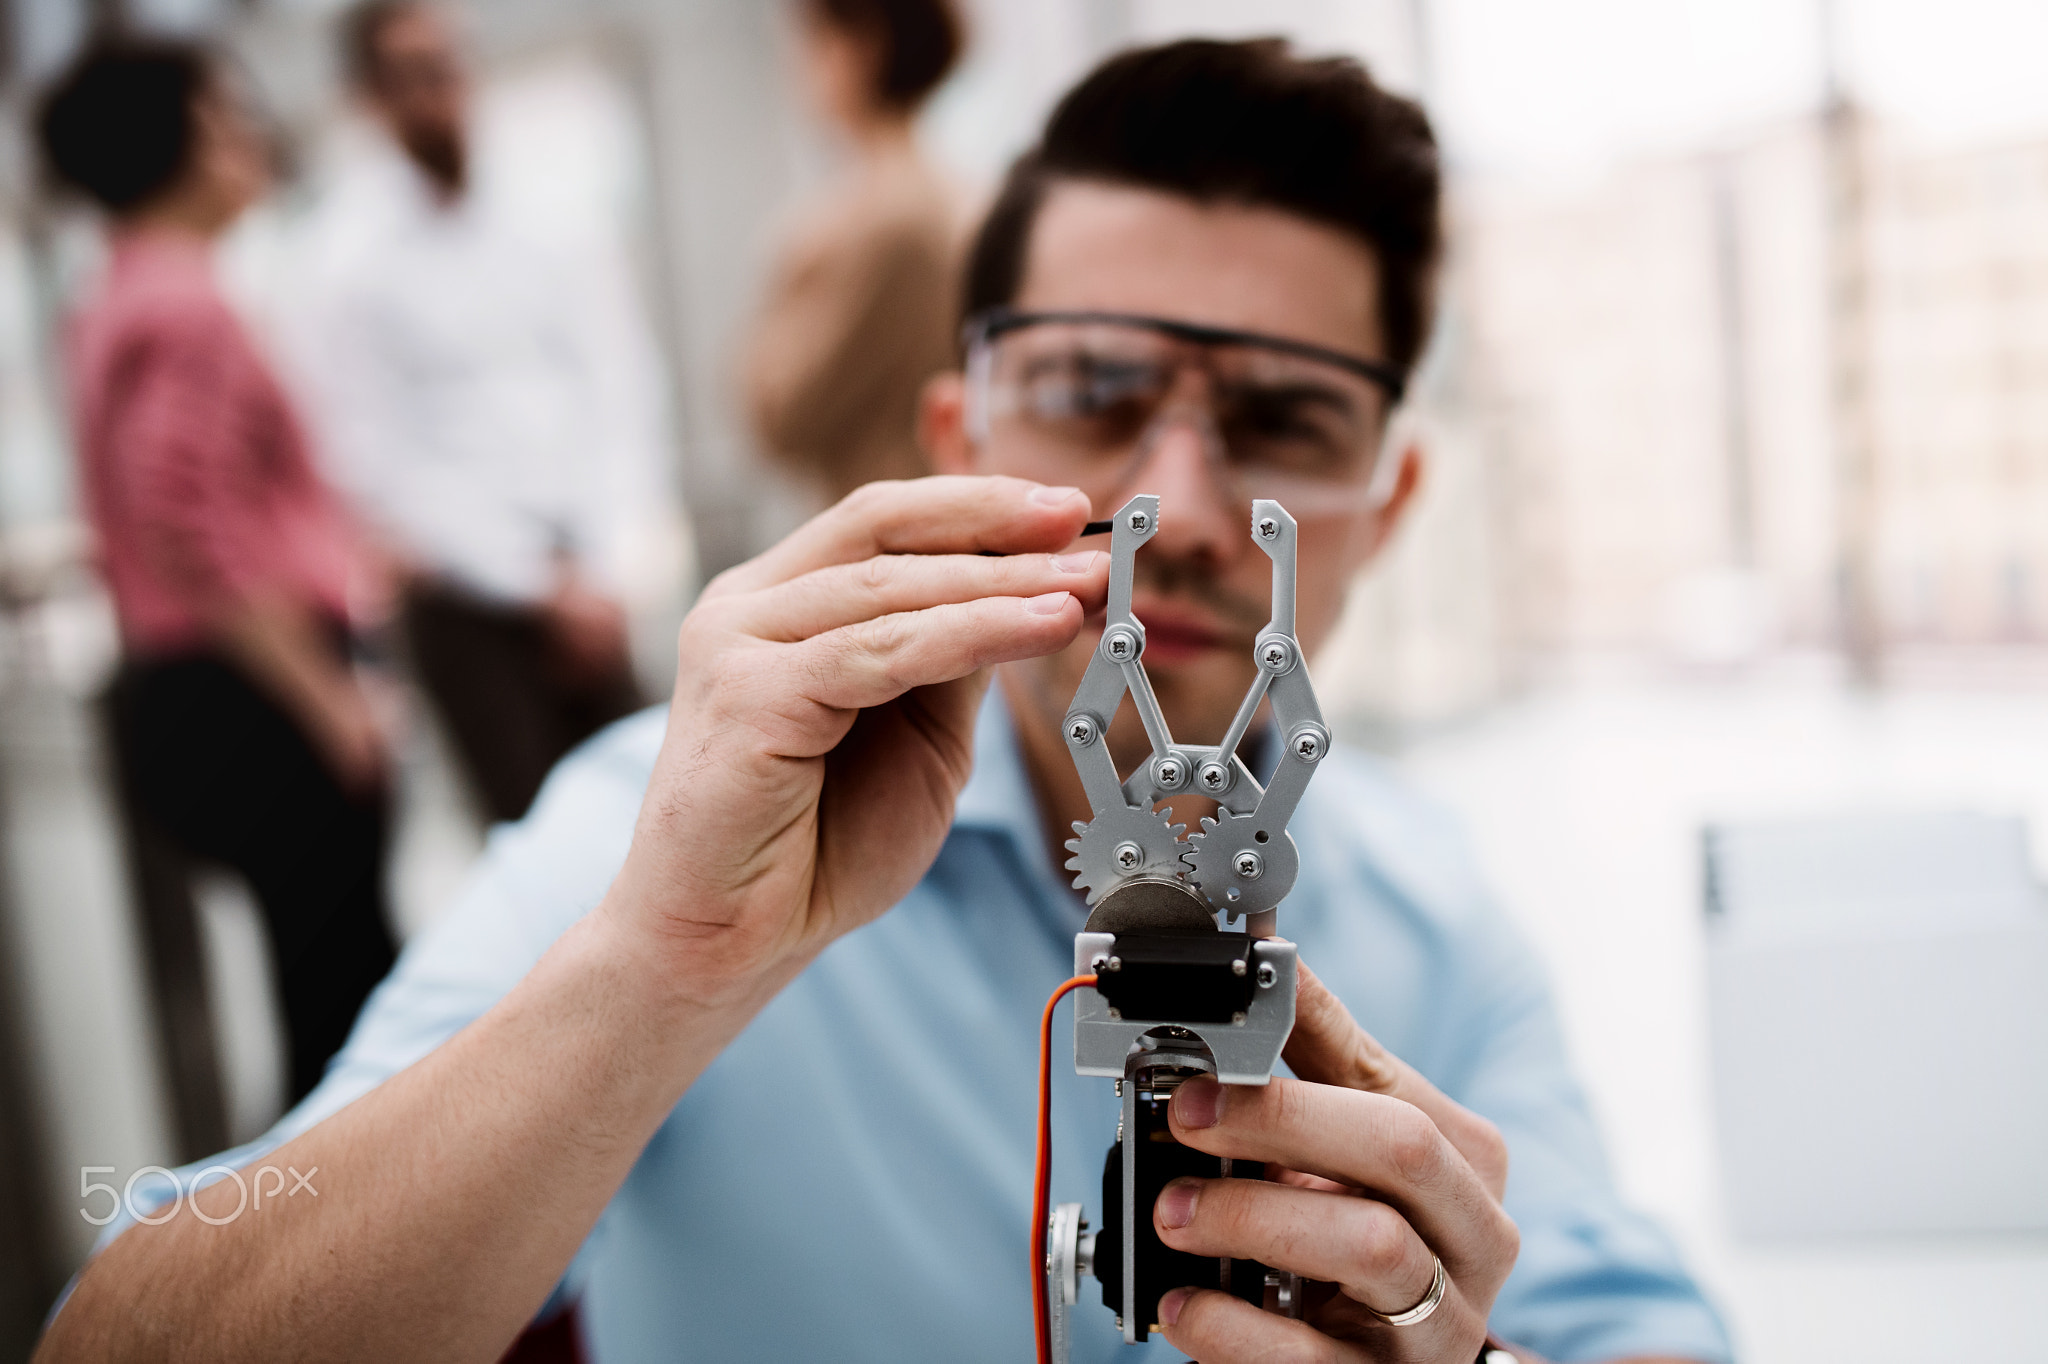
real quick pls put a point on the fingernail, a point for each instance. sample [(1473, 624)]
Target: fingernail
[(1198, 1103), (1080, 562), (1170, 1305), (1176, 1205), (1050, 604), (1053, 497)]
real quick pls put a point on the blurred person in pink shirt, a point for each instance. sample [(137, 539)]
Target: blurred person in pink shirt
[(239, 725)]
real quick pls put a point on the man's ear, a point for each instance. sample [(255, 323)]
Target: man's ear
[(942, 424), (1393, 509)]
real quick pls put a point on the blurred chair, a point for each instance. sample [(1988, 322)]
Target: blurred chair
[(1878, 992)]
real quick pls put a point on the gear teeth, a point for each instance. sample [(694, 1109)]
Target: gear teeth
[(1161, 841)]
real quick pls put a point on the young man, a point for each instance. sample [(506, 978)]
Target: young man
[(489, 399), (801, 1141)]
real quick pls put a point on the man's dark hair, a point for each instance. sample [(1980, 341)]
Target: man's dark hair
[(118, 124), (1246, 123), (361, 30), (918, 42)]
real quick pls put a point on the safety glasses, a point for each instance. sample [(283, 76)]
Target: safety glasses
[(1084, 397)]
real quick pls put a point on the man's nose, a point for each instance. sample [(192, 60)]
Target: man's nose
[(1197, 514)]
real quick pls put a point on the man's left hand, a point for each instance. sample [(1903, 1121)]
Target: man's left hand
[(1373, 1174)]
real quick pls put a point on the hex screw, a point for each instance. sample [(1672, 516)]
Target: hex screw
[(1248, 865), (1267, 977), (1169, 773), (1268, 528), (1214, 777), (1080, 731), (1129, 856), (1140, 522)]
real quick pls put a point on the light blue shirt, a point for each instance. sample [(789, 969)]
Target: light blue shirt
[(851, 1179)]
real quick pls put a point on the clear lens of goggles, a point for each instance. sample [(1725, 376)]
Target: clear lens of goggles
[(1082, 399)]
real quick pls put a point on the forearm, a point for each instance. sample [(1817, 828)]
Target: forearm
[(450, 1199), (279, 645)]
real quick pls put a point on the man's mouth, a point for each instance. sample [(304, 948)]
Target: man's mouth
[(1175, 634)]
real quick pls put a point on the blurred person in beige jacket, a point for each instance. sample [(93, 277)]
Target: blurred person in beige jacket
[(859, 311)]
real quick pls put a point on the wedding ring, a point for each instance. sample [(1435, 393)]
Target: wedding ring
[(1421, 1310)]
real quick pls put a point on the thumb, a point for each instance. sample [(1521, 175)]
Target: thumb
[(1328, 1047)]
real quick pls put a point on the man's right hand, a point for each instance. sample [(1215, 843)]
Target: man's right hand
[(821, 728), (823, 719)]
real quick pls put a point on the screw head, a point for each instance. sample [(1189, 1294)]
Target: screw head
[(1099, 963), (1140, 522), (1080, 731), (1248, 865), (1267, 976), (1237, 966), (1276, 656), (1214, 777), (1308, 744), (1115, 1014), (1113, 964), (1129, 856), (1237, 1019), (1169, 773), (1121, 644), (1268, 528)]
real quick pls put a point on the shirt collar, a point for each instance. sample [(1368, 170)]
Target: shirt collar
[(998, 796), (998, 799)]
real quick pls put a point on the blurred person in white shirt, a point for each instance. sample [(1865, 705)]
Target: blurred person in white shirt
[(490, 398)]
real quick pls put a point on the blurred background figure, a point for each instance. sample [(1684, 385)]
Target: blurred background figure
[(240, 730), (859, 311), (463, 372)]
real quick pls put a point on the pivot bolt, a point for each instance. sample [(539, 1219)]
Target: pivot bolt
[(1121, 645), (1169, 773), (1080, 731), (1276, 656), (1129, 856), (1140, 522), (1214, 777), (1268, 528), (1248, 865), (1268, 976), (1308, 744)]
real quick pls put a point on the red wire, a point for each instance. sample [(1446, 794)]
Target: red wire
[(1042, 1188)]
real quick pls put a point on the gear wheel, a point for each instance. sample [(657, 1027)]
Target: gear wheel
[(1158, 842), (1212, 859)]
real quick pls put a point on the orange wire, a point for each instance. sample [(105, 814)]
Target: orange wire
[(1042, 1187)]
